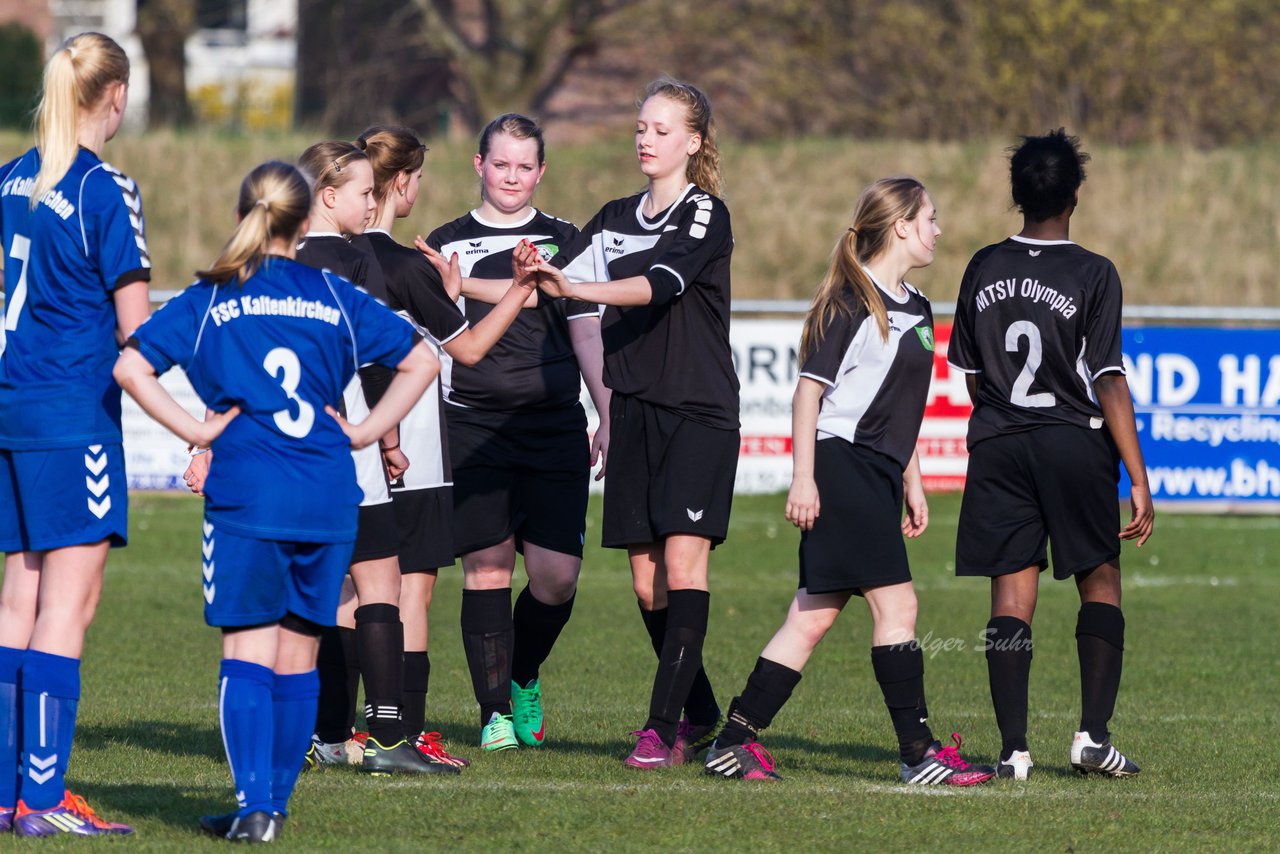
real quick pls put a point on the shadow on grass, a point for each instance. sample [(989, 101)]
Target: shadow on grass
[(176, 739), (179, 805)]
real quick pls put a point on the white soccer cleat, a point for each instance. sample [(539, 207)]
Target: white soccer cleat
[(1016, 767), (1088, 757)]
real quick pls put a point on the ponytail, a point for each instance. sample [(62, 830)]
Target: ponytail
[(391, 151), (703, 168), (880, 206), (275, 199), (75, 81)]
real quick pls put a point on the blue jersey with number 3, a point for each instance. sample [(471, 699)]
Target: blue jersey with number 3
[(62, 261), (281, 347)]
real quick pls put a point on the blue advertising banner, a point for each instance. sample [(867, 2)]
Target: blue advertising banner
[(1208, 408)]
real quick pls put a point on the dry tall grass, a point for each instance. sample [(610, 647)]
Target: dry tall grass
[(1183, 226)]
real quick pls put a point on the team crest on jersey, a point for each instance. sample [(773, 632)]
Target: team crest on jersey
[(926, 337), (547, 251)]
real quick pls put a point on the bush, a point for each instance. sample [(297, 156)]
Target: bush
[(21, 64)]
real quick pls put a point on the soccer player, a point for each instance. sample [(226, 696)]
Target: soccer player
[(1037, 332), (867, 360), (278, 341), (659, 264), (342, 202), (76, 268), (517, 440), (422, 290)]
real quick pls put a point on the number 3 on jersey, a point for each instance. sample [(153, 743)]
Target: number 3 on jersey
[(19, 251), (283, 366), (1035, 350)]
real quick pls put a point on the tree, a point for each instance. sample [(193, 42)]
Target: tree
[(163, 27), (20, 69), (511, 54)]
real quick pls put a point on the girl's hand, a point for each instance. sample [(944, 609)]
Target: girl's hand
[(803, 505), (357, 436), (211, 427), (917, 515), (449, 269), (524, 265), (600, 449), (551, 280), (198, 471), (396, 462)]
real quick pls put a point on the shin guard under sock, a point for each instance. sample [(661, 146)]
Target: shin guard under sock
[(679, 661), (487, 637), (381, 637), (417, 675), (1100, 646), (899, 669), (1009, 649), (246, 713), (536, 627), (768, 688), (293, 708), (701, 705)]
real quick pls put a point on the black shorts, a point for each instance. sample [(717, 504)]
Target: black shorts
[(425, 520), (856, 541), (377, 535), (1055, 484), (522, 473), (666, 475)]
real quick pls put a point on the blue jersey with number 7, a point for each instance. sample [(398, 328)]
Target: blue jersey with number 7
[(281, 347)]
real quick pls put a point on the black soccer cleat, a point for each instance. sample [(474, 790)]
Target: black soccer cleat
[(260, 826), (1089, 757), (400, 758), (1016, 767), (220, 825)]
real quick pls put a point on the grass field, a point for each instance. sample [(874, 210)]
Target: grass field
[(1198, 711)]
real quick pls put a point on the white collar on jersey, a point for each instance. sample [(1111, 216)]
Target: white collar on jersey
[(377, 231), (900, 300), (488, 224), (311, 234), (1035, 242), (653, 226)]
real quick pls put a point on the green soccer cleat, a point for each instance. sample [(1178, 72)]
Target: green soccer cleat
[(498, 733), (526, 714)]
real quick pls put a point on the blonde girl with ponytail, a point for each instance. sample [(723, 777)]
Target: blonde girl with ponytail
[(74, 252), (658, 263), (866, 362), (269, 344)]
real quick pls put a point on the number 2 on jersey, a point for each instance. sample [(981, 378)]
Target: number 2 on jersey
[(283, 366), (1035, 350)]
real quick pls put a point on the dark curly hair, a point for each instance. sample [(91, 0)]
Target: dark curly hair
[(1045, 172)]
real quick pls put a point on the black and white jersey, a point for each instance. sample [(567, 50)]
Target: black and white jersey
[(415, 291), (1039, 320), (674, 352), (331, 251), (876, 388), (533, 365)]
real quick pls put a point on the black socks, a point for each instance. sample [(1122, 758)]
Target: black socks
[(1100, 645), (417, 673), (487, 638), (380, 636), (1009, 648), (537, 626), (701, 705), (680, 660), (339, 667), (768, 688), (899, 669)]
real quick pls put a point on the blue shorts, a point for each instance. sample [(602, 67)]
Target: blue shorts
[(68, 497), (249, 582)]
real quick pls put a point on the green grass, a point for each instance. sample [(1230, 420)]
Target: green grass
[(1197, 710)]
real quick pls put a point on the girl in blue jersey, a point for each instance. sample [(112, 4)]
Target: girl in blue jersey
[(75, 277), (278, 341), (659, 264), (867, 361)]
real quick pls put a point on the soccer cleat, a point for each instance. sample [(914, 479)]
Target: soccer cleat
[(943, 766), (650, 751), (260, 826), (400, 758), (6, 819), (747, 761), (321, 754), (431, 746), (1090, 757), (526, 713), (499, 733), (221, 825), (692, 740), (72, 816), (1017, 766)]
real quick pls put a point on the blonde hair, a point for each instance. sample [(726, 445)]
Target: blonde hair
[(275, 200), (704, 164), (880, 206), (326, 163), (391, 150), (75, 80)]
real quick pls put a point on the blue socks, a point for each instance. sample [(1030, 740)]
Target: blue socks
[(10, 718), (50, 696), (245, 712), (295, 698)]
